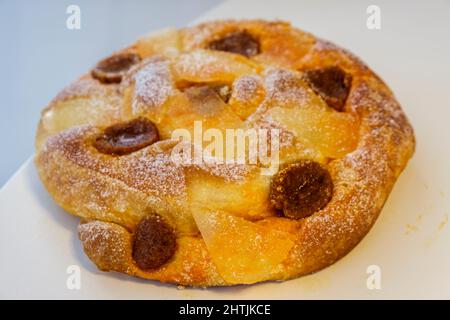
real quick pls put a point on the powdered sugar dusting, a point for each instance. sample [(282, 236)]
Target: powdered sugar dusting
[(247, 87), (107, 244), (149, 170), (227, 171), (153, 85), (87, 87), (285, 88), (192, 63), (154, 172), (95, 231)]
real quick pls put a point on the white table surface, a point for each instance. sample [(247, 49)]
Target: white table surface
[(410, 241)]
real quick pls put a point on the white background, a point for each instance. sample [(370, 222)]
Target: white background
[(411, 239), (39, 55)]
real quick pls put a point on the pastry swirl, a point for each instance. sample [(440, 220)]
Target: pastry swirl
[(104, 150)]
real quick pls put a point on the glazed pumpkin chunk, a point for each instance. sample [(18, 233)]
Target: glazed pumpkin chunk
[(211, 66), (248, 199), (202, 104), (166, 42), (332, 133), (243, 251)]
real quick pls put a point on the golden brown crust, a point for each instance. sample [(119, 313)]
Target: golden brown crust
[(113, 193)]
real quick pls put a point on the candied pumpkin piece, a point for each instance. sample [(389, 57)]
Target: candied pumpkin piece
[(248, 199), (165, 42), (198, 104), (247, 94), (333, 134), (80, 111), (76, 112), (211, 66), (243, 251)]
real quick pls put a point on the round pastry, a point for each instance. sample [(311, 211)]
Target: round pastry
[(105, 151)]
